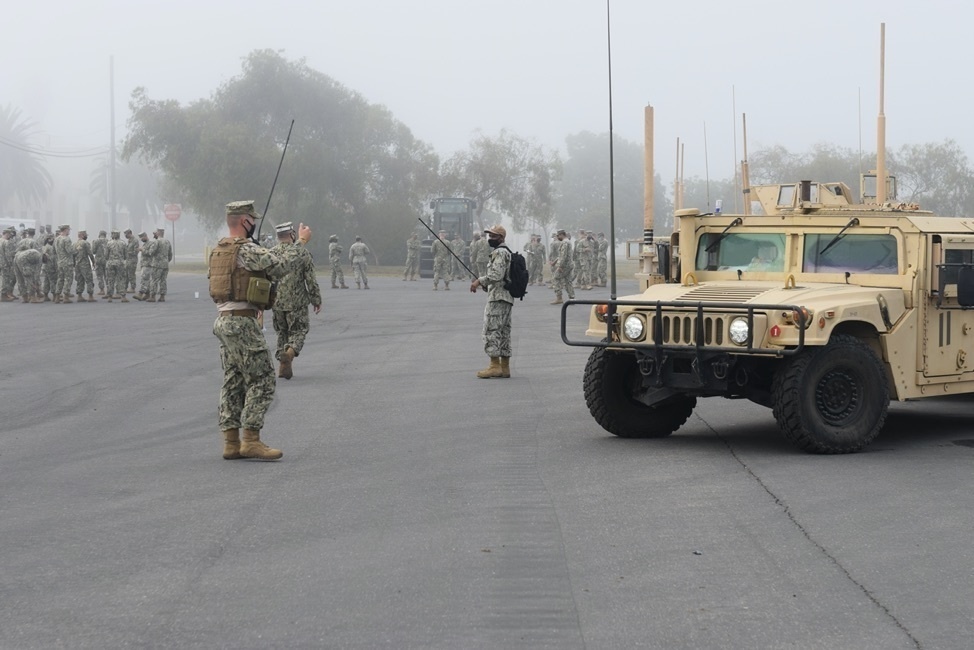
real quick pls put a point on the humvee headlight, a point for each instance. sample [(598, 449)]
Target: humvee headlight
[(739, 330), (633, 327), (601, 312)]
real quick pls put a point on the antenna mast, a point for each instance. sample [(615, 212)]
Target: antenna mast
[(881, 121)]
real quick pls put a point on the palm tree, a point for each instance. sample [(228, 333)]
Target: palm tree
[(22, 173)]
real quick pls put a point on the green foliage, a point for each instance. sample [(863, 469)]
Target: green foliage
[(22, 174), (583, 200), (508, 175), (350, 168), (937, 176)]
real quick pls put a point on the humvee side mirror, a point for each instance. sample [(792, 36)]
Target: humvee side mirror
[(965, 286)]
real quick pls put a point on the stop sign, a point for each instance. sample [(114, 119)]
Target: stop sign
[(172, 211)]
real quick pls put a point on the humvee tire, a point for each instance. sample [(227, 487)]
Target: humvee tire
[(610, 381), (834, 399)]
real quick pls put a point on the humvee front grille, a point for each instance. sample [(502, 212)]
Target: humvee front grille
[(677, 329)]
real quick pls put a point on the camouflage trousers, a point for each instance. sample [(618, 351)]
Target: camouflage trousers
[(9, 275), (145, 279), (48, 278), (601, 271), (535, 271), (497, 328), (292, 327), (158, 280), (337, 274), (100, 275), (29, 275), (248, 376), (441, 271), (562, 281), (115, 278), (412, 267), (65, 277), (359, 268), (129, 276), (83, 276)]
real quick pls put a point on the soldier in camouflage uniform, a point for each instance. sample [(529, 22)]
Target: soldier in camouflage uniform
[(536, 260), (297, 290), (160, 266), (456, 268), (99, 251), (479, 254), (602, 260), (497, 313), (441, 261), (147, 251), (48, 268), (335, 257), (248, 376), (27, 262), (357, 255), (65, 265), (116, 252), (583, 260), (561, 268), (84, 261), (131, 262), (412, 258), (8, 276)]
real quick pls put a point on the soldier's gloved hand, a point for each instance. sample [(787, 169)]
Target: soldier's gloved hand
[(304, 233)]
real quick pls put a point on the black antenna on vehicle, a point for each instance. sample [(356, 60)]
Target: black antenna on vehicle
[(256, 237), (612, 194)]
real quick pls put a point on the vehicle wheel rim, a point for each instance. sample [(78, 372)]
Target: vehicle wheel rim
[(837, 396)]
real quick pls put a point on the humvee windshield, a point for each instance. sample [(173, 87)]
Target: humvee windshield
[(745, 252), (852, 253)]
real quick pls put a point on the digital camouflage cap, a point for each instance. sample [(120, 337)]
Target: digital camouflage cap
[(243, 207)]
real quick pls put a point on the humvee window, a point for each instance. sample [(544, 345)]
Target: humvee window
[(852, 253), (954, 258), (744, 252)]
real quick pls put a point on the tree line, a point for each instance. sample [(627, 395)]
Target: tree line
[(352, 169)]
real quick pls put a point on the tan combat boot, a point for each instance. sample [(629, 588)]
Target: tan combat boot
[(252, 447), (124, 299), (67, 298), (505, 367), (493, 370), (151, 298), (91, 297), (287, 357), (558, 299), (57, 298), (162, 297), (231, 444), (81, 298)]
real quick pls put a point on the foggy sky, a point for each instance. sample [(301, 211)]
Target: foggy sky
[(447, 68)]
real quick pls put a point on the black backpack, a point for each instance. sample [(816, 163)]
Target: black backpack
[(517, 282)]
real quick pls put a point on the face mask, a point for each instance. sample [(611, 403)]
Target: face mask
[(493, 243), (250, 231)]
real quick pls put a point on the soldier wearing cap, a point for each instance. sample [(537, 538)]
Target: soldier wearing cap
[(240, 274), (160, 263), (497, 313), (441, 261), (48, 267), (561, 268), (335, 251), (131, 261), (147, 251), (479, 254), (99, 251), (64, 250), (412, 258), (536, 259), (8, 276), (84, 262), (116, 252), (357, 255), (295, 292), (602, 260), (456, 267)]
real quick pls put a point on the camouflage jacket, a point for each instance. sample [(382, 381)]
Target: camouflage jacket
[(132, 250), (358, 252), (497, 272), (7, 250), (412, 247), (150, 251), (116, 251), (82, 253), (163, 253), (64, 250), (440, 250), (335, 252), (299, 288), (98, 249)]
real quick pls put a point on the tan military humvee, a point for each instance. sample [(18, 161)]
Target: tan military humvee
[(820, 308)]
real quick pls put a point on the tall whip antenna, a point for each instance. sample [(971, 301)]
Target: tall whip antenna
[(274, 184), (612, 196)]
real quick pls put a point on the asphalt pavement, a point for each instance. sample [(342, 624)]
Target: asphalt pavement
[(417, 506)]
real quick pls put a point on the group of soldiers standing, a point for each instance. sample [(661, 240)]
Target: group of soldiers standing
[(584, 264), (358, 257), (447, 255), (44, 266)]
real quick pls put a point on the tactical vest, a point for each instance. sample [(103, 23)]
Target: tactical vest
[(230, 283)]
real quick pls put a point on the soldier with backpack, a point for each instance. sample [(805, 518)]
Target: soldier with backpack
[(497, 313)]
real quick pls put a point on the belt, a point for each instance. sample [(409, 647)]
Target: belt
[(252, 313)]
